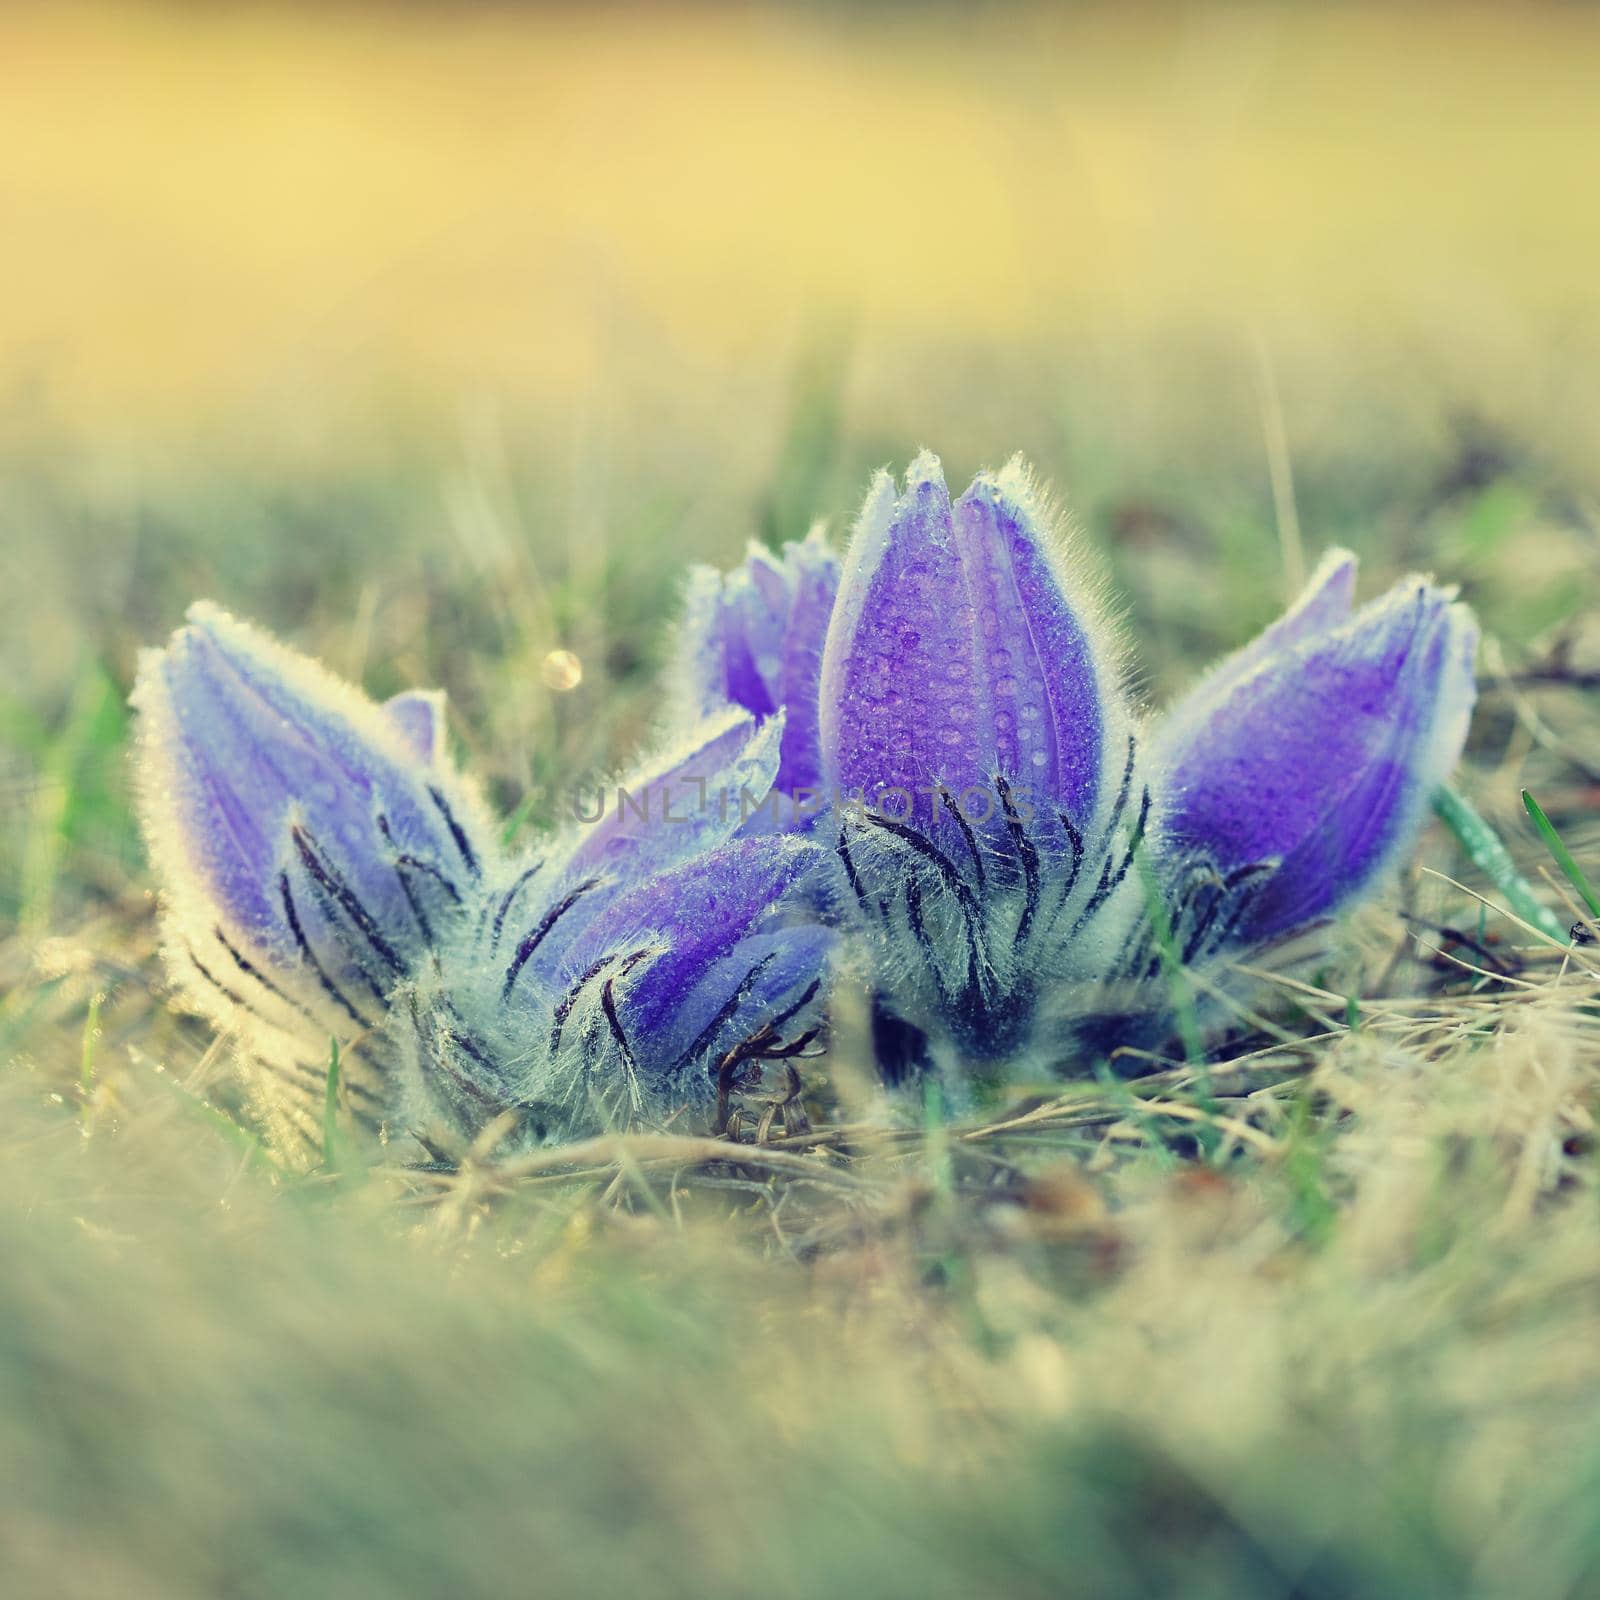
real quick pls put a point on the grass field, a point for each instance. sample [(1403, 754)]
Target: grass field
[(440, 338)]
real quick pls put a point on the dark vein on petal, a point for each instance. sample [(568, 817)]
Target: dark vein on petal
[(740, 994), (505, 903), (309, 956), (456, 831), (332, 881), (533, 939)]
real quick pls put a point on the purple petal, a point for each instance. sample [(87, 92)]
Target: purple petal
[(699, 912), (770, 582), (698, 680), (754, 639), (254, 758), (955, 654), (1038, 652), (815, 571), (766, 978), (1321, 757), (902, 707), (1323, 605), (750, 637), (683, 802), (418, 716)]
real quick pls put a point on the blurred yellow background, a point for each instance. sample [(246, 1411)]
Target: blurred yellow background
[(302, 210)]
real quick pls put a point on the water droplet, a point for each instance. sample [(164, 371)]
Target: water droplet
[(561, 670)]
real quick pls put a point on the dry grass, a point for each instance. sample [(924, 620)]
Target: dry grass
[(1318, 1319)]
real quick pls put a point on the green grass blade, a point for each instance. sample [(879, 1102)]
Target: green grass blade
[(330, 1110), (91, 1036), (74, 798), (1486, 851), (1563, 856), (1172, 970), (519, 819), (235, 1133), (936, 1135)]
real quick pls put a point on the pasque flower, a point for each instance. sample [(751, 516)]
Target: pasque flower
[(753, 637), (607, 974), (1024, 861), (312, 847), (326, 873), (1024, 866)]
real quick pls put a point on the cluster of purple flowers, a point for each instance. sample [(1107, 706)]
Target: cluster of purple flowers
[(947, 797)]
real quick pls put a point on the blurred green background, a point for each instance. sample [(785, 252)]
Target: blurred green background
[(438, 336)]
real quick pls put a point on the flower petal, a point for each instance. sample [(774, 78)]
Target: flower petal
[(814, 572), (698, 913), (754, 639), (259, 769), (697, 681), (1319, 759), (418, 715), (1054, 710), (766, 979), (1323, 605), (684, 801), (902, 708), (752, 629)]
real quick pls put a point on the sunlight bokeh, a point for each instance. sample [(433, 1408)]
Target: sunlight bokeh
[(307, 208)]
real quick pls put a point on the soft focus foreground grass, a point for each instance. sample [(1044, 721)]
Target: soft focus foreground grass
[(438, 341), (1361, 1363)]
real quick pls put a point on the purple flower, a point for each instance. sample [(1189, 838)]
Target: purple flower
[(1300, 768), (312, 847), (609, 972), (1021, 858), (326, 873), (753, 639), (955, 656)]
